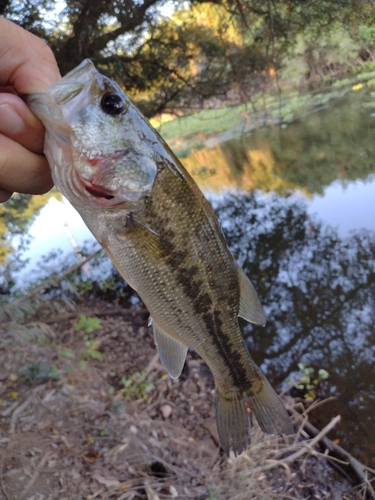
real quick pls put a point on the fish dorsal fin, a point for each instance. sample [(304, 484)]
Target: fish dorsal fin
[(171, 352), (250, 307)]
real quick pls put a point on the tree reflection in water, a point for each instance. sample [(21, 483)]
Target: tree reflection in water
[(318, 292)]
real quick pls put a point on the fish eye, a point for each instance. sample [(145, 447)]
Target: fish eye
[(112, 104)]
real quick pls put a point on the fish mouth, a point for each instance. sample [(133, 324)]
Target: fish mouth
[(103, 161), (96, 186), (102, 197), (102, 194), (99, 192)]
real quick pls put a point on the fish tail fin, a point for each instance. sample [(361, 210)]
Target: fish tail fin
[(232, 419), (269, 410)]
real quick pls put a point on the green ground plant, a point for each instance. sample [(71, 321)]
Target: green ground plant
[(87, 324), (136, 385), (40, 373), (307, 382)]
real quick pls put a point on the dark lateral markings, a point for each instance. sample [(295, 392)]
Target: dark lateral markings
[(222, 341)]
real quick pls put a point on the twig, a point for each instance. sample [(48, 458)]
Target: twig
[(113, 312), (318, 403), (300, 431), (1, 477), (314, 441), (9, 410), (142, 378), (360, 469), (306, 447), (175, 468), (153, 405), (17, 412), (148, 369), (52, 281), (36, 473)]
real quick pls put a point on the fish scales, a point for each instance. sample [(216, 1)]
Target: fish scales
[(163, 237), (198, 271)]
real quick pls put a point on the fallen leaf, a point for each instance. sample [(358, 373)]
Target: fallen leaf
[(109, 483)]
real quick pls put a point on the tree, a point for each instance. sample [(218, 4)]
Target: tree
[(205, 48)]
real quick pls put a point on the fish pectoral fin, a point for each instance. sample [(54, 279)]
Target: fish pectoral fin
[(135, 229), (171, 352), (250, 306)]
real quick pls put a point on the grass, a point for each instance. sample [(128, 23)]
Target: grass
[(264, 110), (207, 121)]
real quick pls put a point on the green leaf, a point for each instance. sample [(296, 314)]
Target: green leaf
[(87, 324), (148, 386), (323, 374), (94, 354)]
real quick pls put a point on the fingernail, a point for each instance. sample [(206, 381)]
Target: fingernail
[(10, 121)]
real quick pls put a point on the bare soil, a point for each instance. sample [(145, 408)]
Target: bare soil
[(77, 422)]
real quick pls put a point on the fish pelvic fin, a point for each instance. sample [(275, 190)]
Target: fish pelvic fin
[(172, 353), (250, 306), (232, 420), (268, 408)]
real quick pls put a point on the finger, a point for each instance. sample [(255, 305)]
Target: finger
[(4, 195), (26, 62), (22, 170), (18, 123)]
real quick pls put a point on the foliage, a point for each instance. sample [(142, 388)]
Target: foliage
[(306, 382), (40, 373), (136, 385), (318, 55), (18, 334), (91, 350), (87, 324), (191, 52)]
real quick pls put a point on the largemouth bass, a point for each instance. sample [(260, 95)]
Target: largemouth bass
[(164, 239)]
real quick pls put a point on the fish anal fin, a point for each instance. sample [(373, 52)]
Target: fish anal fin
[(250, 306), (172, 353), (232, 419)]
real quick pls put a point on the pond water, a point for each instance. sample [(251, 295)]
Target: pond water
[(301, 222), (297, 205)]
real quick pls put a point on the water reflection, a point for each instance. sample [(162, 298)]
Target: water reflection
[(319, 296), (318, 287), (309, 154)]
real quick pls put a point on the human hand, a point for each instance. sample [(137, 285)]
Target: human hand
[(27, 65)]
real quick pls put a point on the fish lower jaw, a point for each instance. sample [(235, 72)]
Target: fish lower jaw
[(98, 192), (101, 197)]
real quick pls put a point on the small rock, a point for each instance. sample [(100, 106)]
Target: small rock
[(166, 411)]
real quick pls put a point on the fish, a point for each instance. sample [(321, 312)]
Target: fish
[(164, 239)]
